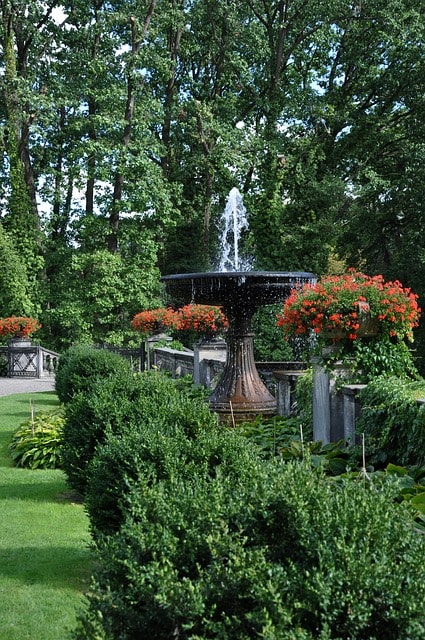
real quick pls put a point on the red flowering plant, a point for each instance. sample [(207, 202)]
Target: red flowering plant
[(345, 309), (201, 318), (18, 326), (154, 321), (185, 323)]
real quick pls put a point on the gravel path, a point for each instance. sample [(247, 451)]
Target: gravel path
[(9, 386)]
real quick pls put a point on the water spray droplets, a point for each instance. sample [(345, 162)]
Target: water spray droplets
[(233, 221)]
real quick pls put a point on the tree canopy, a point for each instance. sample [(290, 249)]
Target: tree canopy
[(126, 123)]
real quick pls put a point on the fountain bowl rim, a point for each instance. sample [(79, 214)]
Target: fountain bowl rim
[(240, 274)]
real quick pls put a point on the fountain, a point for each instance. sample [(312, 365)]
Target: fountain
[(240, 394)]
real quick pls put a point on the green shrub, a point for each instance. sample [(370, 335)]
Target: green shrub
[(121, 403), (269, 343), (110, 404), (144, 456), (37, 444), (381, 356), (283, 553), (392, 421), (80, 366)]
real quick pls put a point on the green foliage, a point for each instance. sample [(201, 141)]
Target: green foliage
[(375, 357), (271, 435), (392, 421), (269, 345), (80, 366), (37, 443), (281, 553), (108, 401), (126, 402), (286, 438), (14, 298), (410, 489), (99, 292), (140, 457)]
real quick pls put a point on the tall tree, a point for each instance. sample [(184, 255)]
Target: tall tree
[(20, 29)]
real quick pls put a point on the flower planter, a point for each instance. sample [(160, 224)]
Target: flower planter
[(368, 328), (20, 341), (354, 304)]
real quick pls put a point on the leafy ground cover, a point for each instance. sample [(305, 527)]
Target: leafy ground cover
[(45, 561)]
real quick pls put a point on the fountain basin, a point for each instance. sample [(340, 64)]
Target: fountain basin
[(240, 394), (233, 288)]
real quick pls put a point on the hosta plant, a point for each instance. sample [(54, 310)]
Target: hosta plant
[(37, 444)]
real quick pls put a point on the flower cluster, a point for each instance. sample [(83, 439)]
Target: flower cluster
[(154, 320), (198, 318), (339, 303), (201, 318), (18, 326)]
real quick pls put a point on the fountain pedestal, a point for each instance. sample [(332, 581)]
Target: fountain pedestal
[(240, 394)]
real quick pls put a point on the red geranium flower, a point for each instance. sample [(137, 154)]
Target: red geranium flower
[(341, 302), (18, 326)]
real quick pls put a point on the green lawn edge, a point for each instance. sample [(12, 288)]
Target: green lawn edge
[(45, 560)]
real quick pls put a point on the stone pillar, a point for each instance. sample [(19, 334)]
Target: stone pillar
[(215, 349), (321, 403), (286, 381), (351, 410), (336, 402)]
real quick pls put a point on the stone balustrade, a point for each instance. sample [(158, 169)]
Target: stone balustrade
[(22, 359)]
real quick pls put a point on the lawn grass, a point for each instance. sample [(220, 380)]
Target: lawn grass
[(45, 562)]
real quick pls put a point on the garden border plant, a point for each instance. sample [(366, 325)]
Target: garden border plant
[(205, 558), (37, 443)]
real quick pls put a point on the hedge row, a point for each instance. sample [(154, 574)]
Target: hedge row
[(198, 537), (279, 553)]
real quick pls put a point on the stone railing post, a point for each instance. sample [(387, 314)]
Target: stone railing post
[(285, 388), (321, 403), (213, 350), (351, 403)]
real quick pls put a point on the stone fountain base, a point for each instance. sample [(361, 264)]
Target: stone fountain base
[(240, 395)]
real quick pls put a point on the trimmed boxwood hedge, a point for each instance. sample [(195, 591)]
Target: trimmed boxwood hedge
[(201, 538), (121, 403), (81, 366), (283, 553), (142, 456)]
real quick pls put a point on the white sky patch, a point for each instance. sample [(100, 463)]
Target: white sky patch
[(59, 15)]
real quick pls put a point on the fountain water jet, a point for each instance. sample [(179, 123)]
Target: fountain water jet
[(240, 394), (233, 221)]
